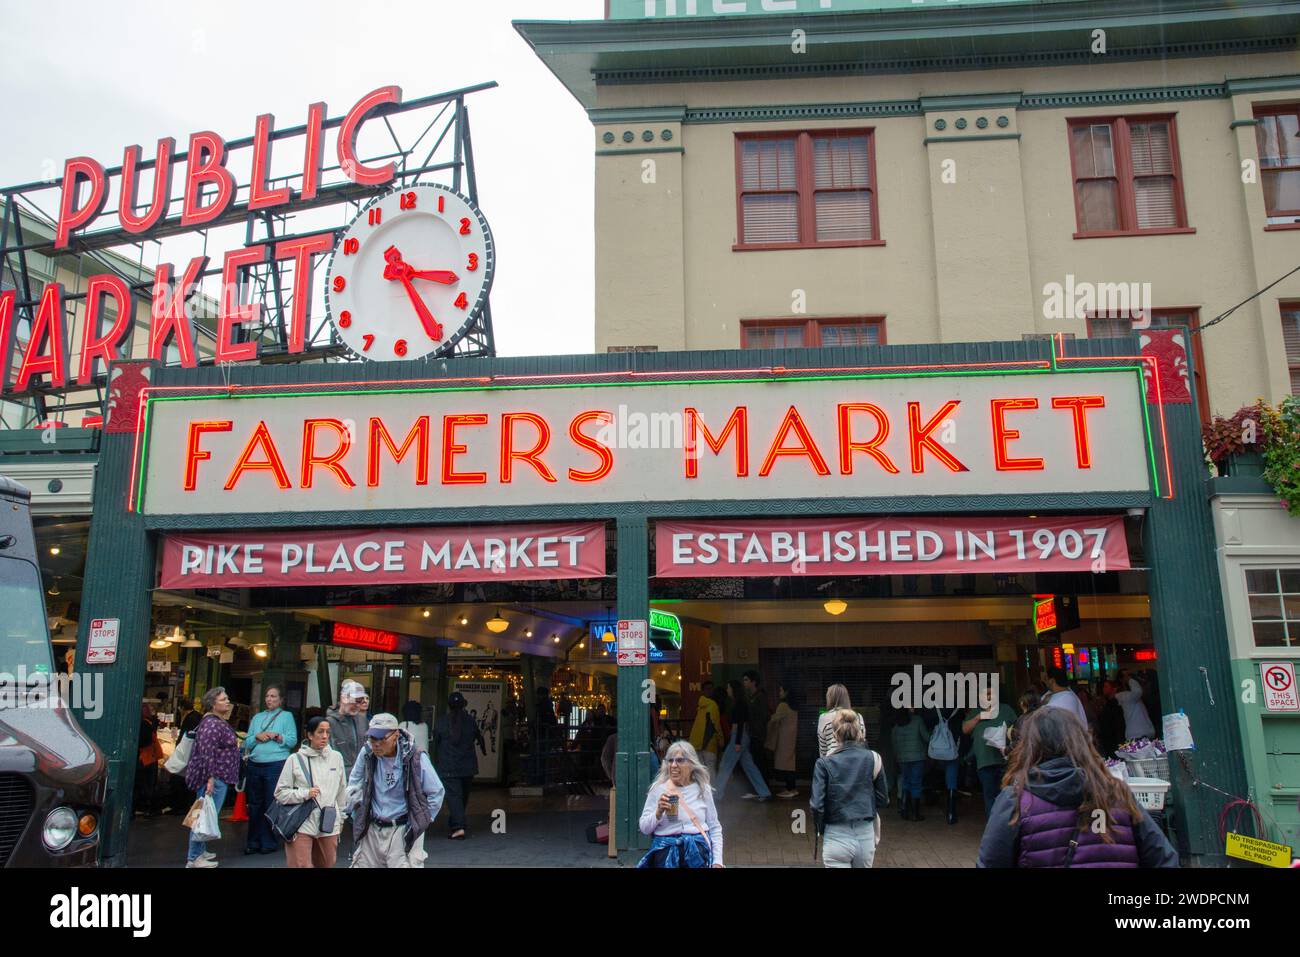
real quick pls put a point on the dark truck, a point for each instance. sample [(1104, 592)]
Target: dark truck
[(52, 777)]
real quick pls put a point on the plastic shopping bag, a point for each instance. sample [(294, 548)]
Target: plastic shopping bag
[(207, 828)]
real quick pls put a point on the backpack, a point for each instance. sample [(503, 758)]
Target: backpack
[(943, 747)]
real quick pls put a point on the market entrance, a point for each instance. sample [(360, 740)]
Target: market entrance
[(523, 649), (898, 643)]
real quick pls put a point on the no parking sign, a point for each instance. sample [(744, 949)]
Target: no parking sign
[(1279, 686)]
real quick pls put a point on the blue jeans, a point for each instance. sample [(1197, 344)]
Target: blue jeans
[(911, 773), (950, 774), (259, 790), (991, 783), (196, 848), (729, 760)]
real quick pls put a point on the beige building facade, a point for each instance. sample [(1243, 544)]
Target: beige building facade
[(971, 222)]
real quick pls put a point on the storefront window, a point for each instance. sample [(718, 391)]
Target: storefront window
[(1274, 606)]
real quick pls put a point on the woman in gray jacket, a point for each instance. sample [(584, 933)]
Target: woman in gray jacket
[(848, 787)]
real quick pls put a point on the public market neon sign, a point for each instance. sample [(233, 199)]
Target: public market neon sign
[(208, 193)]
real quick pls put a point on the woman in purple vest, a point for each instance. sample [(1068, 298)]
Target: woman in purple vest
[(1059, 807)]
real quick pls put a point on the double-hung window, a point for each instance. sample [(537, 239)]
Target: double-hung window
[(1127, 179)]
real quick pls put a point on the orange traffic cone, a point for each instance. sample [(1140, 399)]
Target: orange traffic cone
[(241, 807)]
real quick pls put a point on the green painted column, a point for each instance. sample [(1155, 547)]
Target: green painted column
[(119, 574), (1191, 639), (632, 763)]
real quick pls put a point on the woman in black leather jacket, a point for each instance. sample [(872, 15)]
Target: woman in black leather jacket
[(848, 786)]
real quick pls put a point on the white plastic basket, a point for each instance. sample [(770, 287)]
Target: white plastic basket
[(1153, 767), (1149, 792), (1118, 770)]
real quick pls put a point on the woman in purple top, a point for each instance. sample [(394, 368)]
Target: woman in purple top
[(214, 764), (1060, 807)]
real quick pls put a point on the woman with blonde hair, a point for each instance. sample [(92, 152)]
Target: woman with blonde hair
[(680, 815), (849, 788), (837, 699)]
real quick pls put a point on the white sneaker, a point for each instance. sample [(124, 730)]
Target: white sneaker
[(200, 862), (751, 796), (208, 856), (787, 794)]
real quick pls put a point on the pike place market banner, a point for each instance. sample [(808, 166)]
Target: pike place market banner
[(382, 557), (889, 546), (792, 438)]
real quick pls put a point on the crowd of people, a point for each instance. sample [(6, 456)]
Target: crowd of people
[(1049, 800), (382, 782), (377, 780)]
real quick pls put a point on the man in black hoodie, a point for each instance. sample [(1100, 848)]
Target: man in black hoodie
[(453, 743)]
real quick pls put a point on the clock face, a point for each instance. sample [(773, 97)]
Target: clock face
[(413, 268)]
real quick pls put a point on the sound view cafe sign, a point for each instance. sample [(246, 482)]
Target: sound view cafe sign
[(421, 257)]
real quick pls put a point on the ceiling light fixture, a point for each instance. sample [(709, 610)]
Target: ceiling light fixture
[(497, 624), (555, 638), (835, 606), (53, 591), (426, 613), (528, 633), (176, 637), (260, 651), (191, 643), (463, 620), (159, 644), (54, 549)]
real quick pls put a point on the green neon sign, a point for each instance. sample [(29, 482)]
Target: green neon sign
[(682, 9), (668, 625)]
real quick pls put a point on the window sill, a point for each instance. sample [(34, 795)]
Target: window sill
[(1281, 227), (1115, 234), (758, 247)]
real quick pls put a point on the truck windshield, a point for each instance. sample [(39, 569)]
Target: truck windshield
[(24, 640)]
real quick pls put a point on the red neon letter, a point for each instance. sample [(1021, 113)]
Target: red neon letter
[(206, 164), (508, 453), (232, 313), (347, 146), (848, 446), (1078, 405), (806, 447), (162, 187), (70, 215), (301, 252), (6, 326), (169, 311), (1002, 435), (94, 346), (48, 324), (450, 423), (919, 438), (419, 433), (260, 196), (310, 459), (194, 455), (595, 446), (315, 152), (261, 437), (738, 423)]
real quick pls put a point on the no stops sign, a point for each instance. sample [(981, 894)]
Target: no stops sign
[(1279, 686)]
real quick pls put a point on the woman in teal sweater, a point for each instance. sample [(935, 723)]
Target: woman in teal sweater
[(271, 737), (911, 740)]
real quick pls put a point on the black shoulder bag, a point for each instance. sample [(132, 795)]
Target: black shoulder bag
[(286, 819)]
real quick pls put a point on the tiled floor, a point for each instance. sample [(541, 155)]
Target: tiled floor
[(551, 832)]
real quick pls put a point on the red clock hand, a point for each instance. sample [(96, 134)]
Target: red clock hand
[(431, 325), (444, 276), (397, 270)]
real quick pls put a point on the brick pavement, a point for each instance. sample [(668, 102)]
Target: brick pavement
[(551, 832)]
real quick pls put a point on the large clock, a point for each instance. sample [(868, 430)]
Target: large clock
[(409, 273)]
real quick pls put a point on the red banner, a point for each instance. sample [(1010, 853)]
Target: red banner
[(890, 546), (395, 556)]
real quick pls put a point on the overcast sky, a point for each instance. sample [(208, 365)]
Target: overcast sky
[(82, 79)]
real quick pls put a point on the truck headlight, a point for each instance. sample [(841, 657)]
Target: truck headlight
[(60, 828)]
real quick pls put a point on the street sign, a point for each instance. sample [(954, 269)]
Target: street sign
[(102, 649), (1279, 686), (633, 641)]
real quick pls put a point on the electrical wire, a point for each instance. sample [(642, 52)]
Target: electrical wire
[(1224, 315)]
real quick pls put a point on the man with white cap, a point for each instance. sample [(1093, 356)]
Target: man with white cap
[(348, 721), (394, 795)]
